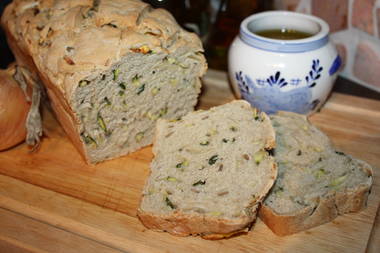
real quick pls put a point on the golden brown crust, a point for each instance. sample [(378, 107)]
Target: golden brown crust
[(327, 209), (181, 224), (53, 31)]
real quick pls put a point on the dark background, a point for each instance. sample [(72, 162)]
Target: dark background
[(6, 56)]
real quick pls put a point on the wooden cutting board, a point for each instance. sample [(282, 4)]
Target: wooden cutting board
[(97, 204)]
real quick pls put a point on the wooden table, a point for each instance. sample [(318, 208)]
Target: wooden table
[(51, 201)]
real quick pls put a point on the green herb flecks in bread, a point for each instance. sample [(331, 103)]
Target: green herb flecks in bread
[(315, 182), (207, 177)]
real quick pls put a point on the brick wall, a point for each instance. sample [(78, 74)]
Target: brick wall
[(355, 29)]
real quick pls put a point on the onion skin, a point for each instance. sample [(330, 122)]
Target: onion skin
[(14, 109)]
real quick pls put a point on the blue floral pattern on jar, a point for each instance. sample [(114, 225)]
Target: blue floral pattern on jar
[(269, 94)]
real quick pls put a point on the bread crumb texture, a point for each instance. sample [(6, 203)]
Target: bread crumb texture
[(210, 165), (315, 181)]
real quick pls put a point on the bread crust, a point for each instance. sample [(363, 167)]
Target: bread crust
[(40, 33), (328, 207), (181, 224)]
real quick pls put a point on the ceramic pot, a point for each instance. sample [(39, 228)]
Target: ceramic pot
[(290, 75)]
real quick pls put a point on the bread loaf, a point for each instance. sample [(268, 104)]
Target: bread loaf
[(315, 182), (111, 68), (210, 172)]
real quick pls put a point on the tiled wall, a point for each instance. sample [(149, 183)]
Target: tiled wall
[(355, 29)]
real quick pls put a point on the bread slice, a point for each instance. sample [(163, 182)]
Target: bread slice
[(315, 182), (111, 68), (210, 172)]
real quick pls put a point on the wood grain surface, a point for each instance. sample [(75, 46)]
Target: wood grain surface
[(52, 195)]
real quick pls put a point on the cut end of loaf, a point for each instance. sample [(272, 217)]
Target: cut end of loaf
[(210, 172), (118, 109)]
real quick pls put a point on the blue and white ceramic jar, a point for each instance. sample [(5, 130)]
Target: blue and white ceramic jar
[(290, 75)]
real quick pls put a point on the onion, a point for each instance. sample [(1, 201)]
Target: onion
[(14, 109)]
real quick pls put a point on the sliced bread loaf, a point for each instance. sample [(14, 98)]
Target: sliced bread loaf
[(315, 182), (111, 68), (210, 172)]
